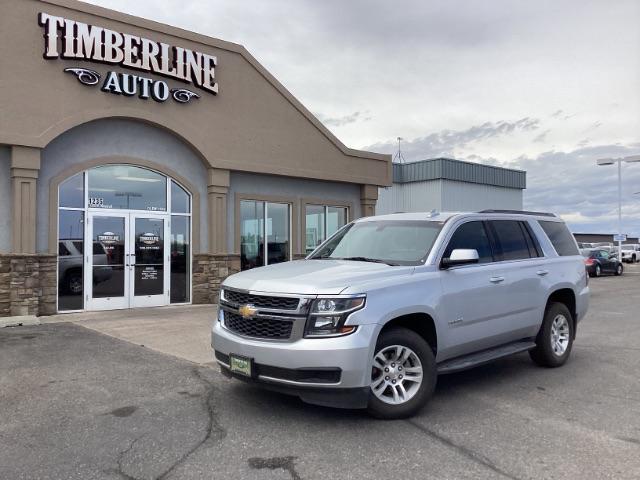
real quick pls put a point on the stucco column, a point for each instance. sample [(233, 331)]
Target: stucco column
[(368, 199), (217, 191), (25, 166)]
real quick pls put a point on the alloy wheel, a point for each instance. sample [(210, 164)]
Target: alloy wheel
[(396, 374), (560, 335)]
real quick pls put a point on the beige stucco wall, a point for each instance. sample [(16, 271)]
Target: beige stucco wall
[(253, 124)]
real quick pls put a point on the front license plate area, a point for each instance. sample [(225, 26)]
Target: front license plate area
[(241, 365)]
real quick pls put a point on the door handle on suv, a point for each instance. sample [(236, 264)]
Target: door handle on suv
[(496, 279), (542, 273)]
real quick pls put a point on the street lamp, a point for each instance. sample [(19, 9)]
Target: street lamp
[(612, 161)]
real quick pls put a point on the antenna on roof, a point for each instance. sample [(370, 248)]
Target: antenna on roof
[(398, 157)]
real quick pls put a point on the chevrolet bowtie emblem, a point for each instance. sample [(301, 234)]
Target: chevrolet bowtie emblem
[(247, 311)]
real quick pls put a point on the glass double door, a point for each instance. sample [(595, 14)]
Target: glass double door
[(128, 260)]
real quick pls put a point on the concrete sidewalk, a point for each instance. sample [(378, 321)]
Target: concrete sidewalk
[(182, 331)]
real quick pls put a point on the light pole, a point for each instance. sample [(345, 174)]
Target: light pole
[(612, 161)]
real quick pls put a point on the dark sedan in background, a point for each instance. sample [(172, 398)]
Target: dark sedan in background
[(601, 261)]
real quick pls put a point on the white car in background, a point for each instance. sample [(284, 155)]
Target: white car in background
[(631, 253)]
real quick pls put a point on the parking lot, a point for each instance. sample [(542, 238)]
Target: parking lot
[(75, 403)]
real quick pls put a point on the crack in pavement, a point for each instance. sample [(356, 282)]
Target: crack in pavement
[(214, 431), (470, 454), (285, 463), (120, 470)]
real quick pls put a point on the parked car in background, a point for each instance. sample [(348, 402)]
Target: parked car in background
[(600, 261), (630, 253), (585, 245)]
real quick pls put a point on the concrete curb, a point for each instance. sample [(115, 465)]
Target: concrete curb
[(19, 321)]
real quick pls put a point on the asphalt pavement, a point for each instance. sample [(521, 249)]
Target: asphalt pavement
[(75, 403)]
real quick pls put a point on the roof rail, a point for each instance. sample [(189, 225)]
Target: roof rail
[(521, 212)]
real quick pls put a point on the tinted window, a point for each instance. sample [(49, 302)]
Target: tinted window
[(560, 237), (471, 235), (511, 240)]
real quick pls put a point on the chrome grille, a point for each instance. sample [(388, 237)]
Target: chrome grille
[(258, 327), (261, 301)]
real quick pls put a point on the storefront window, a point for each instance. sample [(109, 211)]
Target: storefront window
[(278, 235), (72, 192), (180, 201), (70, 260), (127, 187), (251, 234), (322, 222), (126, 255), (180, 255), (255, 218)]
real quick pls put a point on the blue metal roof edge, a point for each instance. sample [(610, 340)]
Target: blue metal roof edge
[(458, 170)]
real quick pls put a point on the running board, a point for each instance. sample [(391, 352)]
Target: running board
[(485, 356)]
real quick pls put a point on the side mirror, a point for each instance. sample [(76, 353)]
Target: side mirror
[(460, 256)]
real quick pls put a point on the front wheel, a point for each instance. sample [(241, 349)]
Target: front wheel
[(555, 338), (403, 374), (619, 269)]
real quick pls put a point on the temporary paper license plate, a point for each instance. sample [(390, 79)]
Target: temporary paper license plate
[(241, 365)]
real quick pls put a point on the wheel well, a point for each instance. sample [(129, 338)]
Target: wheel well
[(421, 323), (566, 297)]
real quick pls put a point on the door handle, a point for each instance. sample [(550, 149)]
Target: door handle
[(542, 273), (496, 279)]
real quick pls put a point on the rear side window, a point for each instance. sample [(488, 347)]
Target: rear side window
[(474, 236), (560, 237), (511, 238)]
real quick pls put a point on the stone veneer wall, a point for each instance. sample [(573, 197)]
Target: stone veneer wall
[(209, 271), (27, 284)]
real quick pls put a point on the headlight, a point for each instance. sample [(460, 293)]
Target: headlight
[(328, 315)]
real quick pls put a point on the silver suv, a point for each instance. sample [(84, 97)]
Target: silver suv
[(388, 303)]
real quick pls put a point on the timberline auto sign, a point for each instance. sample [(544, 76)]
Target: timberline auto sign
[(73, 40)]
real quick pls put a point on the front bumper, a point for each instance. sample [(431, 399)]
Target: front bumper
[(350, 356)]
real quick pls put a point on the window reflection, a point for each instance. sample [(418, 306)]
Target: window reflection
[(322, 222), (127, 187), (179, 199), (251, 234), (71, 192), (70, 260), (180, 254), (278, 237)]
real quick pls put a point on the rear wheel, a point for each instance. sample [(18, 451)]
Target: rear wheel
[(598, 271), (555, 338), (619, 269), (403, 374)]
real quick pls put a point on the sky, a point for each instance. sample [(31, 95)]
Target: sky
[(548, 86)]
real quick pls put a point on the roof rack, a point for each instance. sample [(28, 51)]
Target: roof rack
[(521, 212)]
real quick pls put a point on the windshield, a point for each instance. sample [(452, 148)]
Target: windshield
[(395, 242), (627, 247)]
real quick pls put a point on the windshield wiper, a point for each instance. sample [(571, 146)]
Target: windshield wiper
[(367, 259)]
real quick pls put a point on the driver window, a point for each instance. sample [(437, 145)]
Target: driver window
[(604, 254), (471, 235)]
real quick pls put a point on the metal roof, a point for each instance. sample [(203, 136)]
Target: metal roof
[(449, 169)]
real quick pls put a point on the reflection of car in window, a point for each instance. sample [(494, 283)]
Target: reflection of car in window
[(71, 262)]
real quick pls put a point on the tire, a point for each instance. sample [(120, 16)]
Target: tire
[(555, 338), (393, 343), (598, 271), (633, 259), (619, 270), (73, 283)]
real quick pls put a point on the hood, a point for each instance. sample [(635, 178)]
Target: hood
[(313, 277)]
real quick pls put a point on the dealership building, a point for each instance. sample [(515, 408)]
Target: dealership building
[(140, 164), (449, 185)]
